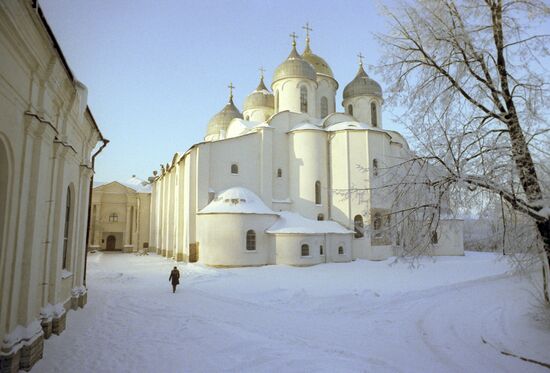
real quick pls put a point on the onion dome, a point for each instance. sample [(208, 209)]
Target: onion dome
[(294, 67), (319, 64), (220, 121), (362, 85), (261, 97)]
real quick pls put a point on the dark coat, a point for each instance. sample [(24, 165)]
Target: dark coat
[(174, 277)]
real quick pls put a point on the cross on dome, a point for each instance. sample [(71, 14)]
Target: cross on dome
[(262, 71), (294, 37), (360, 56), (230, 86), (308, 29)]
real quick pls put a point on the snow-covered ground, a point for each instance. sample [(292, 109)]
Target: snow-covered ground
[(349, 317)]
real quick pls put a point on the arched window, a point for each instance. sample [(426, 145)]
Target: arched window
[(324, 107), (373, 115), (305, 250), (279, 172), (234, 168), (434, 237), (340, 250), (276, 101), (358, 226), (250, 240), (350, 109), (321, 250), (67, 228), (375, 167), (113, 218), (303, 99), (317, 192), (320, 217), (247, 117)]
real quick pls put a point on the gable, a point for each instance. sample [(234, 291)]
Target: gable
[(114, 187)]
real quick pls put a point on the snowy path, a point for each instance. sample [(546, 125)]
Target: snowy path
[(360, 316)]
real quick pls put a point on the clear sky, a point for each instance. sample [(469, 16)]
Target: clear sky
[(158, 70)]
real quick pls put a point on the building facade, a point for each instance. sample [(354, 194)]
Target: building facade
[(289, 180), (120, 216), (47, 136)]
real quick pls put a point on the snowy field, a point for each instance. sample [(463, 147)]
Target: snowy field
[(351, 317)]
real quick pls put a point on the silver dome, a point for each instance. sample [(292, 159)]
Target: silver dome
[(294, 67), (362, 85), (220, 121), (261, 97)]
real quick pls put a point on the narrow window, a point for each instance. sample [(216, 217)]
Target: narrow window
[(340, 250), (247, 117), (113, 218), (250, 240), (434, 237), (317, 192), (324, 107), (358, 226), (321, 250), (67, 228), (235, 168), (350, 109), (373, 115), (279, 172), (377, 224), (377, 221), (320, 217), (375, 167), (305, 250), (303, 99), (211, 196)]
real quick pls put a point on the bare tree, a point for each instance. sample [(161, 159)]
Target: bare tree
[(472, 77)]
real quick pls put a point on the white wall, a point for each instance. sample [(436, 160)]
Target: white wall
[(288, 91), (362, 108), (308, 164), (227, 247)]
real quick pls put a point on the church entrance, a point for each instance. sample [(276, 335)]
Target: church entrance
[(111, 243)]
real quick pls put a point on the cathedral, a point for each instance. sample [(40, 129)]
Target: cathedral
[(289, 180)]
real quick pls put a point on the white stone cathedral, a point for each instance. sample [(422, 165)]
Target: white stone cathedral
[(272, 185)]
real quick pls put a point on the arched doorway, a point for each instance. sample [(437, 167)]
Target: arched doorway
[(111, 243)]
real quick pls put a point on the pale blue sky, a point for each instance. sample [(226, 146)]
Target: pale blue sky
[(158, 70)]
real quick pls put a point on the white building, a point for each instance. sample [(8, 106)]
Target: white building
[(47, 136), (290, 180)]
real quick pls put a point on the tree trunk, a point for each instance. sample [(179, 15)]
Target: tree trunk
[(544, 230)]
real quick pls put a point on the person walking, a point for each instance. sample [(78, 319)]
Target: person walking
[(175, 278)]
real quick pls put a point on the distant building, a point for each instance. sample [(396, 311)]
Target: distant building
[(47, 136), (120, 216), (289, 180)]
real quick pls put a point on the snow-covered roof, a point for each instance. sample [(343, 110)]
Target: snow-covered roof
[(236, 200), (348, 125), (293, 223), (306, 126), (137, 184)]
